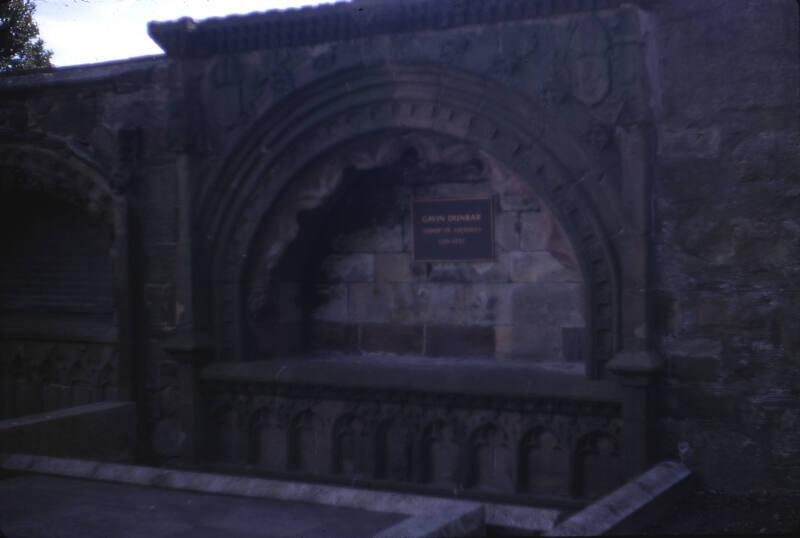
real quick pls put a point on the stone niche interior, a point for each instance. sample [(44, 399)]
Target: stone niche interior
[(347, 282), (57, 315)]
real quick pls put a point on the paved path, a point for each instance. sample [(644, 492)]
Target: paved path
[(34, 506)]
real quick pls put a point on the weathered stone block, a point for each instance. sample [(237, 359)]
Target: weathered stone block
[(289, 296), (697, 402), (338, 337), (541, 267), (536, 341), (159, 301), (573, 343), (763, 155), (515, 194), (689, 143), (332, 303), (459, 341), (349, 268), (696, 347), (432, 303), (283, 303), (487, 304), (727, 461), (393, 267), (693, 360), (280, 339), (507, 231), (556, 304), (104, 431), (694, 368), (14, 115), (536, 228), (159, 263), (718, 311), (786, 437), (454, 190), (370, 303), (503, 341), (495, 271), (391, 338), (159, 202), (377, 239)]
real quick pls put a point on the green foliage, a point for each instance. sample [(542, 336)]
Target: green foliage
[(20, 44)]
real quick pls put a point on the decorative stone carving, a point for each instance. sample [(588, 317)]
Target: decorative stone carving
[(598, 467), (510, 63), (353, 449), (394, 451), (46, 376), (590, 69), (268, 440), (491, 460), (538, 448), (305, 442), (346, 22), (544, 464), (231, 438), (452, 50), (442, 454)]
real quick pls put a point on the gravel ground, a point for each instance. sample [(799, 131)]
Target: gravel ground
[(710, 512)]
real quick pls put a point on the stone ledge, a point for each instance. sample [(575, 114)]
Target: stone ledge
[(345, 21), (631, 507), (81, 74), (105, 430), (430, 516), (423, 374), (23, 327), (458, 520)]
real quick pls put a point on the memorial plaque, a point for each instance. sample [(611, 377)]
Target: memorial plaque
[(453, 230)]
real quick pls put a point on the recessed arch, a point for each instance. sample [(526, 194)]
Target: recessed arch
[(514, 131), (48, 169)]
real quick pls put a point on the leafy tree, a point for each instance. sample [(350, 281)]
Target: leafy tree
[(20, 44)]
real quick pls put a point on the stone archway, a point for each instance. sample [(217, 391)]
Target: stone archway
[(80, 334), (344, 280), (514, 131)]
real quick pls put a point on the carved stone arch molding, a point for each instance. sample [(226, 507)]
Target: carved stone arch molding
[(53, 168), (313, 127)]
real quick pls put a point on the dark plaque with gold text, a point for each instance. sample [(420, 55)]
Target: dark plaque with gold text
[(453, 230)]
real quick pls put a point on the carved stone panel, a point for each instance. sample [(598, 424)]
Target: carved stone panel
[(268, 441), (544, 464), (589, 66), (422, 440), (491, 461)]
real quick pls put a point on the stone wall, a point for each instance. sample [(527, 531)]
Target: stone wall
[(727, 243), (719, 111), (94, 138), (350, 284)]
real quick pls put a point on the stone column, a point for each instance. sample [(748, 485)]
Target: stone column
[(176, 441), (636, 372)]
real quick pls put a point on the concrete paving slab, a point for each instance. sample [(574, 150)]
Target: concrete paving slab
[(526, 519), (36, 506)]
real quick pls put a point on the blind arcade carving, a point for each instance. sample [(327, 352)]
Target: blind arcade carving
[(453, 229)]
